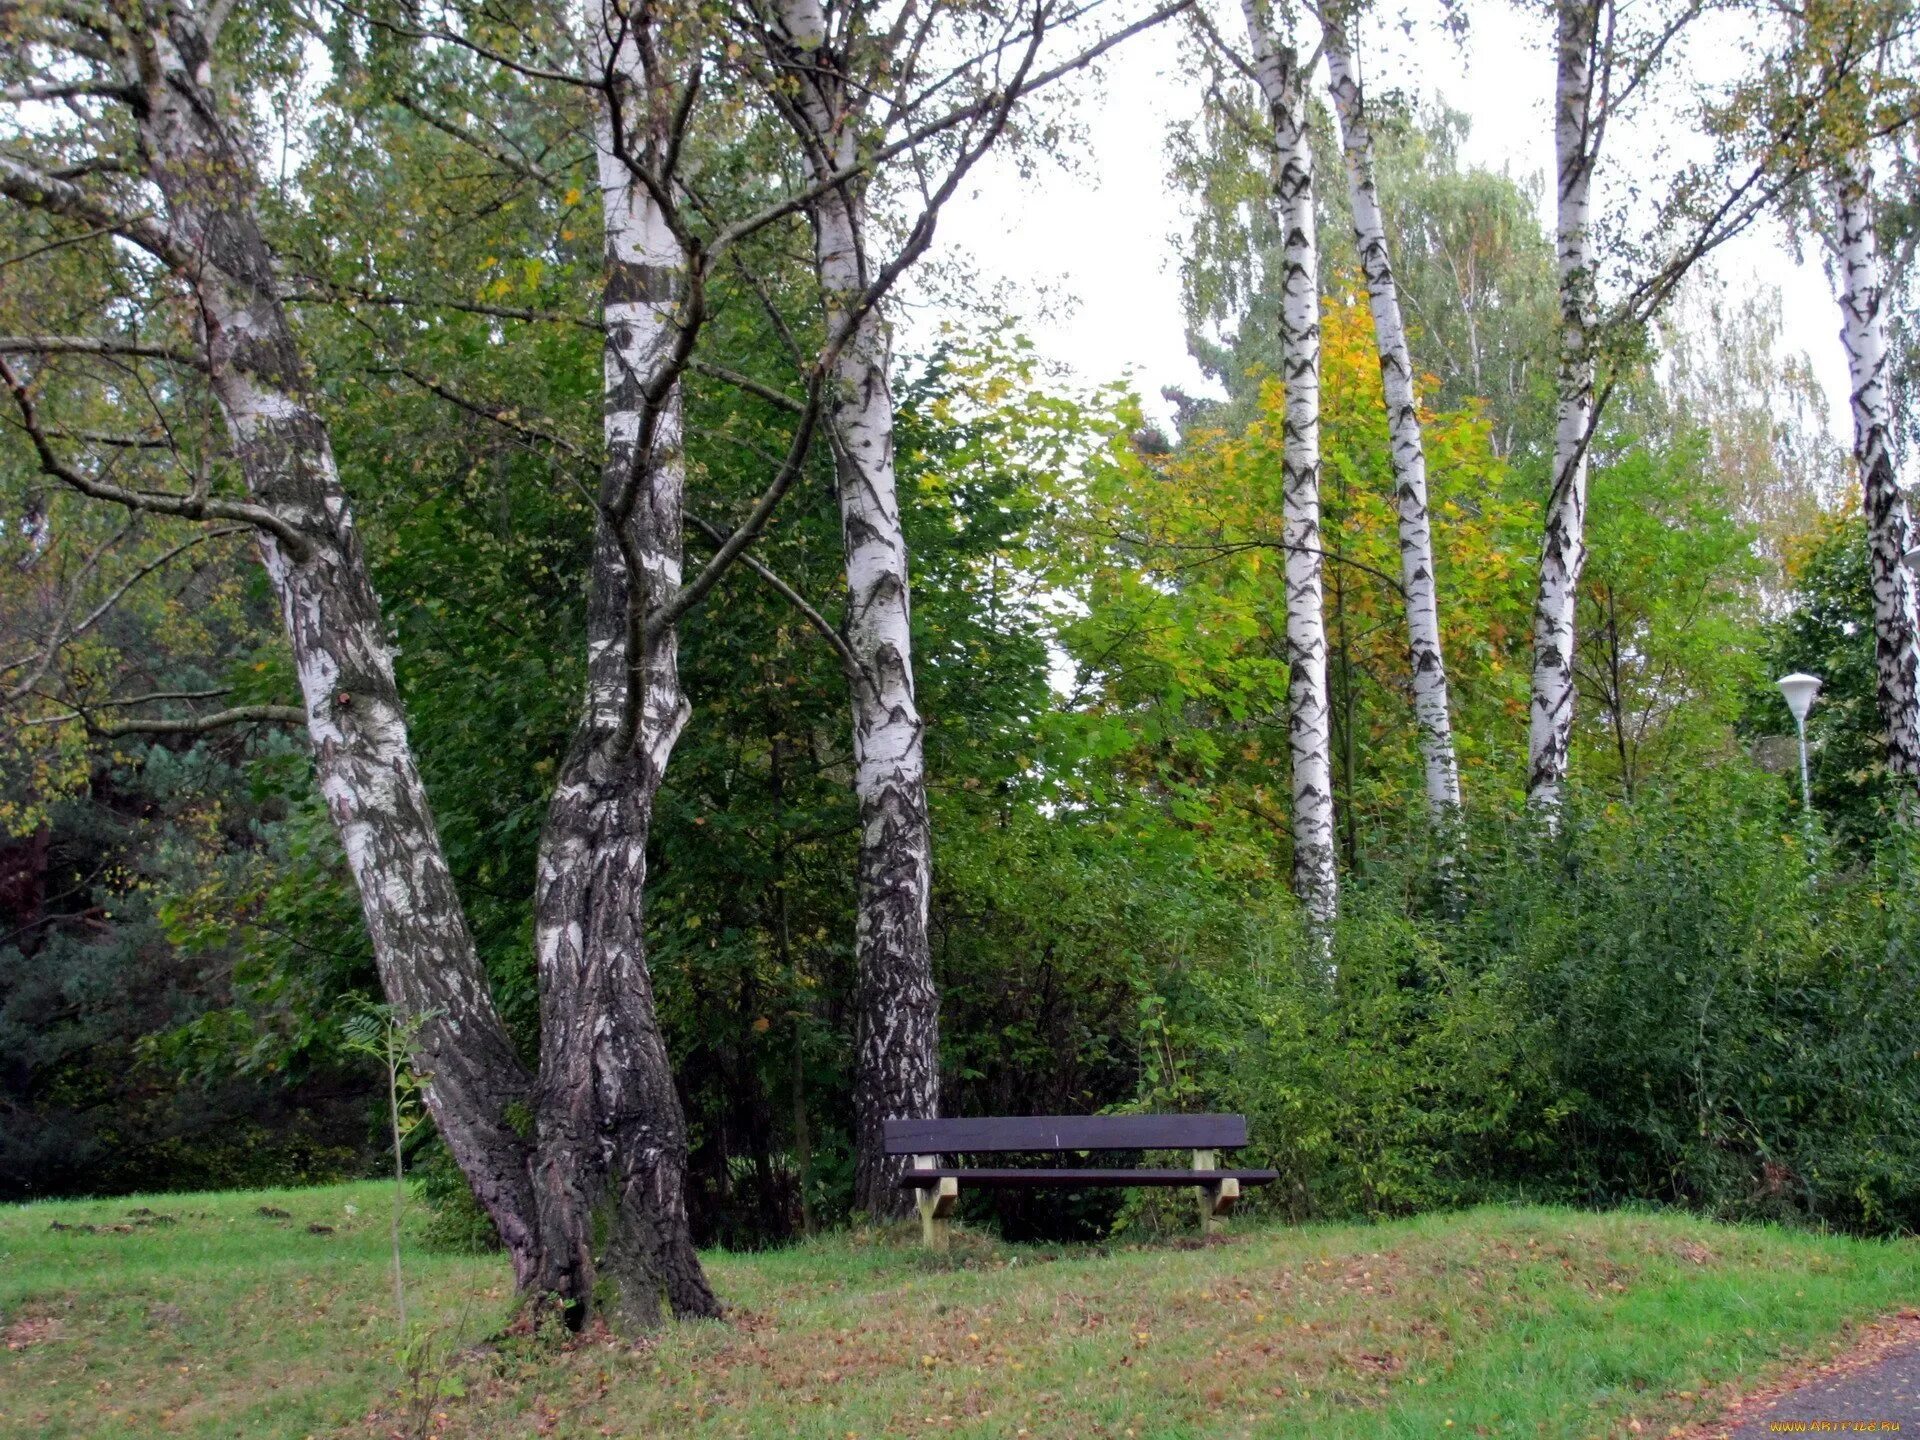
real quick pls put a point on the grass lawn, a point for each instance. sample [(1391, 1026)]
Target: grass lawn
[(232, 1322)]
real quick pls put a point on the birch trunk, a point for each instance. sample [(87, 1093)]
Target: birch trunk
[(612, 1130), (1309, 728), (1890, 530), (1563, 551), (1417, 577), (898, 1011), (365, 768)]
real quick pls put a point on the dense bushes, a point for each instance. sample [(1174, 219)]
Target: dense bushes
[(1675, 1001)]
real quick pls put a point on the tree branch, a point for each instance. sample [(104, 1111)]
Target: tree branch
[(849, 662), (778, 398), (95, 345), (192, 725), (187, 507), (30, 186)]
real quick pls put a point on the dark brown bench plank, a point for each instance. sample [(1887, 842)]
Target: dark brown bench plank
[(1065, 1132), (1038, 1179)]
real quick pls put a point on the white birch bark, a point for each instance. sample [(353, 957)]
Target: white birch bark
[(898, 1013), (1417, 577), (1563, 550), (610, 1118), (1890, 528), (363, 759), (1309, 719)]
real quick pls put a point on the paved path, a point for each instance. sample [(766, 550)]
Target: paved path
[(1882, 1398)]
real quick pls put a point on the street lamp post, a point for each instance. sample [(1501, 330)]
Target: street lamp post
[(1800, 690)]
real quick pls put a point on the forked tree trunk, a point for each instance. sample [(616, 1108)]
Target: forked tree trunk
[(1890, 529), (897, 1039), (1309, 728), (613, 1142), (366, 774), (1563, 550), (1417, 577)]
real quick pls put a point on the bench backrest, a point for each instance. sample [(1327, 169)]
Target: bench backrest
[(1065, 1132)]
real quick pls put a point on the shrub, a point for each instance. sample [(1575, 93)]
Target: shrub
[(1678, 1002)]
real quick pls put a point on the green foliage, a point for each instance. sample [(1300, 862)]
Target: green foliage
[(100, 986), (1672, 1001), (455, 1223), (1666, 658), (1829, 633)]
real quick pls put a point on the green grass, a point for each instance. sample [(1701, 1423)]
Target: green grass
[(1519, 1322)]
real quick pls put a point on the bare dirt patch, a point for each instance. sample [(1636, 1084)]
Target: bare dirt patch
[(31, 1330)]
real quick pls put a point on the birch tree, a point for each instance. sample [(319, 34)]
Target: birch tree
[(1890, 527), (1577, 130), (606, 1084), (1607, 59), (1862, 293), (1283, 80), (835, 80), (897, 1024), (896, 1043), (158, 164), (1426, 660)]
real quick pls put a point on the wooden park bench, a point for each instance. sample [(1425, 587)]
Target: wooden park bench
[(938, 1187)]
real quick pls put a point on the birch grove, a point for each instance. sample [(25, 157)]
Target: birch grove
[(1425, 655), (1577, 133), (597, 1190), (1283, 84), (683, 229)]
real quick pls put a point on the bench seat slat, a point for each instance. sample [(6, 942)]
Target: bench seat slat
[(1038, 1179), (1002, 1133)]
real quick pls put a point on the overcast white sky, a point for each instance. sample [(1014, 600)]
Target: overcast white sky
[(1092, 255)]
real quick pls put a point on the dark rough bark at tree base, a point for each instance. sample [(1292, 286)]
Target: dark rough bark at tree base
[(898, 1041), (612, 1132)]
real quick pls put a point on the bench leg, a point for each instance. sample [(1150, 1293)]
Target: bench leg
[(936, 1204), (1216, 1200)]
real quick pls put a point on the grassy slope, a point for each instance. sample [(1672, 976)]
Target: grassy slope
[(1503, 1322)]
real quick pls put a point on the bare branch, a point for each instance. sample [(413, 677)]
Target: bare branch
[(691, 593), (65, 90), (157, 696), (500, 156), (96, 345), (973, 110), (187, 507), (330, 293), (778, 398), (506, 417), (191, 725), (849, 662)]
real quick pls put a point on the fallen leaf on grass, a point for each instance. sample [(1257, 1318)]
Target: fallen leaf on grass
[(31, 1330)]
